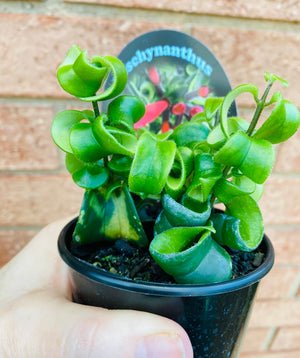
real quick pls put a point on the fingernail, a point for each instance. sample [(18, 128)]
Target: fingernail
[(161, 345)]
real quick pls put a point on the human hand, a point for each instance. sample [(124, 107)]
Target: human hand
[(39, 320)]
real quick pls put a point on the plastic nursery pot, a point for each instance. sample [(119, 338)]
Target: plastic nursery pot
[(215, 316)]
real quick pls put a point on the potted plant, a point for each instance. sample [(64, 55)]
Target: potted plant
[(149, 235)]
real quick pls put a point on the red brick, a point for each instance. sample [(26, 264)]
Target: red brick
[(25, 139), (267, 9), (246, 54), (286, 339), (34, 45), (288, 157), (292, 354), (278, 283), (280, 203), (255, 339), (36, 200), (12, 241), (275, 313), (286, 244)]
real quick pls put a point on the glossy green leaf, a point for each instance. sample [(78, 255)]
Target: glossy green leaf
[(201, 147), (258, 163), (161, 224), (234, 150), (113, 140), (179, 250), (215, 267), (270, 77), (225, 190), (212, 106), (86, 175), (73, 164), (255, 190), (187, 254), (241, 227), (79, 76), (206, 174), (91, 177), (216, 137), (281, 124), (119, 80), (228, 100), (188, 159), (177, 176), (83, 143), (151, 165), (124, 111), (180, 215), (61, 127), (190, 133), (111, 218), (253, 157), (120, 164)]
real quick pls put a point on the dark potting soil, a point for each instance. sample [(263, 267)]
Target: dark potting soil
[(137, 264)]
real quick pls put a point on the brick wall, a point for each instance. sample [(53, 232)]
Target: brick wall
[(247, 37)]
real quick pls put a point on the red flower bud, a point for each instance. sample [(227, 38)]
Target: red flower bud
[(204, 91), (165, 127), (178, 108), (195, 110), (153, 75)]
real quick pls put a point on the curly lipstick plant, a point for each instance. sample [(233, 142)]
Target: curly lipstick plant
[(183, 172)]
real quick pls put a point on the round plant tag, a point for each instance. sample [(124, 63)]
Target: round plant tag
[(174, 74)]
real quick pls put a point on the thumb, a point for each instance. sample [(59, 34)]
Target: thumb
[(46, 325)]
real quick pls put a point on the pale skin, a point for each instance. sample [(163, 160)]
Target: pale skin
[(39, 320)]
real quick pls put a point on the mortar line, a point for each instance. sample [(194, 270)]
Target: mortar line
[(59, 8)]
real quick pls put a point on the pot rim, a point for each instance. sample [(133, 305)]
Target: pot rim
[(173, 290)]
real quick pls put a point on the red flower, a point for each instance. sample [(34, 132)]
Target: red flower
[(153, 110)]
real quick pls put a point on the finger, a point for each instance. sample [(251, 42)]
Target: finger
[(59, 328)]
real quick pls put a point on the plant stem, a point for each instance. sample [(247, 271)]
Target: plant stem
[(259, 109), (96, 108)]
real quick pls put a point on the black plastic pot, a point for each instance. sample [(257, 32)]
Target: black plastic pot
[(215, 316)]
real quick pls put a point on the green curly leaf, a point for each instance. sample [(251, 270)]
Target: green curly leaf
[(228, 100), (109, 217), (186, 254), (190, 133), (79, 76), (281, 124), (180, 215), (216, 137), (62, 125), (120, 164), (113, 140), (206, 174), (86, 175), (253, 157), (119, 81), (178, 174), (124, 111), (211, 107), (225, 190), (241, 227), (151, 165), (83, 143)]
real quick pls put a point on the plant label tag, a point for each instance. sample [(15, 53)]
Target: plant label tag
[(174, 74)]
